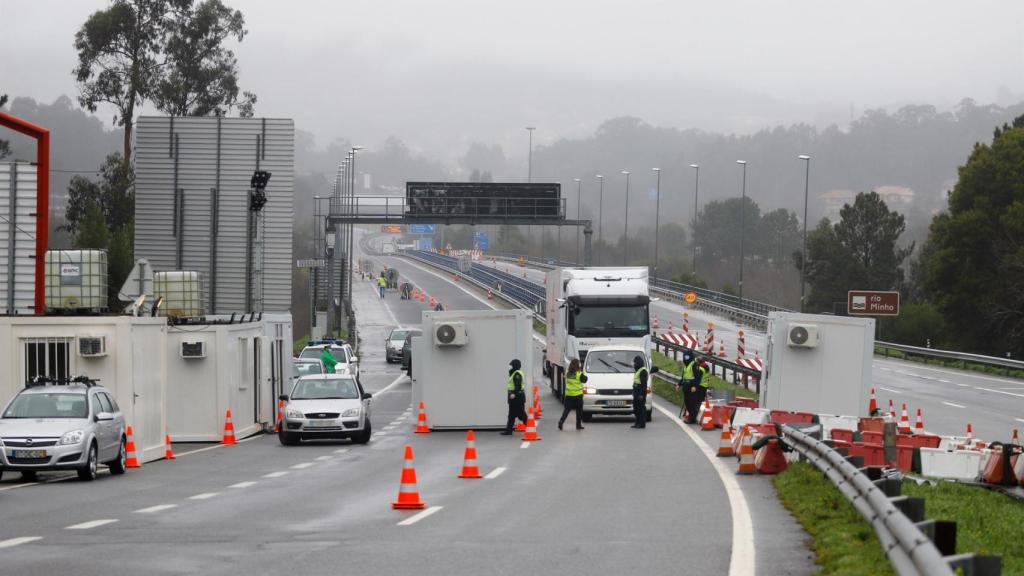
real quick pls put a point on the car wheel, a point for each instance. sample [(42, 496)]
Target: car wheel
[(119, 465), (87, 472), (650, 415), (364, 436), (287, 438)]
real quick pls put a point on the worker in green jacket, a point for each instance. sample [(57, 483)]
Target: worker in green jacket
[(328, 359)]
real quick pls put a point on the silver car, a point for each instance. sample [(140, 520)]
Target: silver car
[(70, 426), (326, 406)]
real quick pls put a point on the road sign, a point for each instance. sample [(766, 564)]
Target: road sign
[(481, 241), (690, 297), (872, 303), (425, 244), (311, 263), (421, 228), (391, 228)]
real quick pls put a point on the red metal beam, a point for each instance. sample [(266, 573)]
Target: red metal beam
[(42, 136)]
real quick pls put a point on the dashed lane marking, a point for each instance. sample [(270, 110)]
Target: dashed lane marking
[(953, 405), (301, 466), (963, 385), (204, 496), (25, 485), (91, 524), (1019, 419), (243, 484), (890, 390), (999, 391), (18, 541), (742, 559), (277, 474), (322, 458), (495, 473), (525, 445), (155, 509), (414, 519), (390, 386), (341, 451)]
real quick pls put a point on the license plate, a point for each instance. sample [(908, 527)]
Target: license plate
[(615, 403), (29, 454), (321, 424)]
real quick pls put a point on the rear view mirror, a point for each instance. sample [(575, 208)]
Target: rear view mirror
[(655, 370), (367, 395), (355, 358), (104, 417)]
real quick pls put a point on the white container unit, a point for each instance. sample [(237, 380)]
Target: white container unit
[(181, 291), (76, 280)]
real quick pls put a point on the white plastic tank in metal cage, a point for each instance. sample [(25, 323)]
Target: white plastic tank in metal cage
[(181, 291), (76, 281)]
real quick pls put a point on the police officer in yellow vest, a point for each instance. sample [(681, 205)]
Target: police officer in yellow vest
[(574, 381), (516, 396), (694, 383), (382, 283), (640, 378)]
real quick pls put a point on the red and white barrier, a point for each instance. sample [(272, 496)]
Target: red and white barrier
[(684, 340)]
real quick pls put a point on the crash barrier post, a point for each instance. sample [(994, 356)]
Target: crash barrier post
[(909, 550)]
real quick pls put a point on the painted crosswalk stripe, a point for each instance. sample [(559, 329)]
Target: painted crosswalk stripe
[(495, 473), (420, 516), (204, 496), (277, 474), (157, 508), (243, 484), (18, 541), (301, 466), (91, 524)]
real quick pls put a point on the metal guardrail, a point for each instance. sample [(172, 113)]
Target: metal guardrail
[(964, 357), (716, 362), (897, 520)]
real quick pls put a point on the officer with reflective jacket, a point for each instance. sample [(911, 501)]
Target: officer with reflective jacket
[(574, 381), (516, 396), (640, 377), (693, 383)]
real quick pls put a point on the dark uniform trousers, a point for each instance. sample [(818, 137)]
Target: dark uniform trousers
[(640, 409), (516, 409), (572, 403)]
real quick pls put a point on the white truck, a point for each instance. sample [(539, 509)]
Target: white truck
[(588, 307)]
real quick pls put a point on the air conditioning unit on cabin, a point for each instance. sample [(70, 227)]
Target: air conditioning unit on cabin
[(193, 349), (802, 336), (92, 346), (450, 334)]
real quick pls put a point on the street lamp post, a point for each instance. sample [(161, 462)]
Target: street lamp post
[(657, 216), (803, 249), (696, 194), (743, 222), (529, 161), (625, 235), (600, 214), (351, 226), (579, 195)]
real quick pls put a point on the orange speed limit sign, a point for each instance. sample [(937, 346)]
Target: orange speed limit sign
[(690, 297)]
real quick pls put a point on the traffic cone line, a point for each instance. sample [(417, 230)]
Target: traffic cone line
[(168, 451), (229, 430), (904, 425), (746, 456), (421, 421), (919, 424), (531, 430), (705, 421), (725, 442), (131, 460), (408, 493), (872, 404), (469, 467)]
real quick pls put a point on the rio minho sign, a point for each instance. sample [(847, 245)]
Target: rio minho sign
[(872, 303)]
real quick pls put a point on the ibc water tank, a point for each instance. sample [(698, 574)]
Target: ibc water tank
[(181, 292), (76, 280)]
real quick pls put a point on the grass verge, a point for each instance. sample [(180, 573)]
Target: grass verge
[(670, 366), (843, 542), (987, 522)]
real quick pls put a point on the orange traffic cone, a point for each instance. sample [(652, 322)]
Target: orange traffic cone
[(280, 415), (919, 424), (131, 461), (1016, 438), (521, 426), (490, 295), (970, 433), (892, 409), (746, 456), (168, 451), (904, 425), (705, 419), (721, 348), (433, 302), (469, 468), (872, 404), (408, 494), (229, 429), (725, 443), (531, 430), (421, 421)]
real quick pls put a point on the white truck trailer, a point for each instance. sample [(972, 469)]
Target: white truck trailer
[(588, 307)]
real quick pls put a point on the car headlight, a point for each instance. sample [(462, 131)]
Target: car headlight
[(294, 414), (350, 412), (590, 390), (73, 437)]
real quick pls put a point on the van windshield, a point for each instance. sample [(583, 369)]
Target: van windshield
[(608, 321), (610, 362)]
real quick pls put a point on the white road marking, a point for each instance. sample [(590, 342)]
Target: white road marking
[(389, 427), (999, 392), (204, 496), (1019, 419), (301, 466), (277, 474), (26, 484), (243, 484), (495, 473), (953, 405), (380, 433), (392, 385), (414, 519), (157, 508), (890, 390), (251, 438), (958, 373), (525, 445), (341, 451), (322, 458), (91, 524), (963, 385), (18, 541), (742, 560), (198, 450)]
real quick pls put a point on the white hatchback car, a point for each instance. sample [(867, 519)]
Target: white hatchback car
[(326, 406)]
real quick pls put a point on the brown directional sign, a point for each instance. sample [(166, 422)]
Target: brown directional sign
[(872, 303)]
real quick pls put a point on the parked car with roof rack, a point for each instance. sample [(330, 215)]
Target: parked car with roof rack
[(347, 361)]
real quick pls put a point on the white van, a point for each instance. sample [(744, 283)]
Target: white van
[(609, 387)]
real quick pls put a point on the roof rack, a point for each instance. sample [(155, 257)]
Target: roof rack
[(49, 380)]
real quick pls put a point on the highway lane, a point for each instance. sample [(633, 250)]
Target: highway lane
[(949, 398)]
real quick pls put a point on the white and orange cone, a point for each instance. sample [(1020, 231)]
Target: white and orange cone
[(168, 451), (725, 442), (421, 421), (469, 467), (531, 430), (229, 430), (131, 460), (408, 493), (705, 420), (872, 404), (747, 465), (904, 425), (919, 424)]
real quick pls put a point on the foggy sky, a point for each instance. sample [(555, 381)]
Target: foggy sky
[(442, 74)]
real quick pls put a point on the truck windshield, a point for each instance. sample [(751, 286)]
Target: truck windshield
[(610, 362), (608, 321)]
